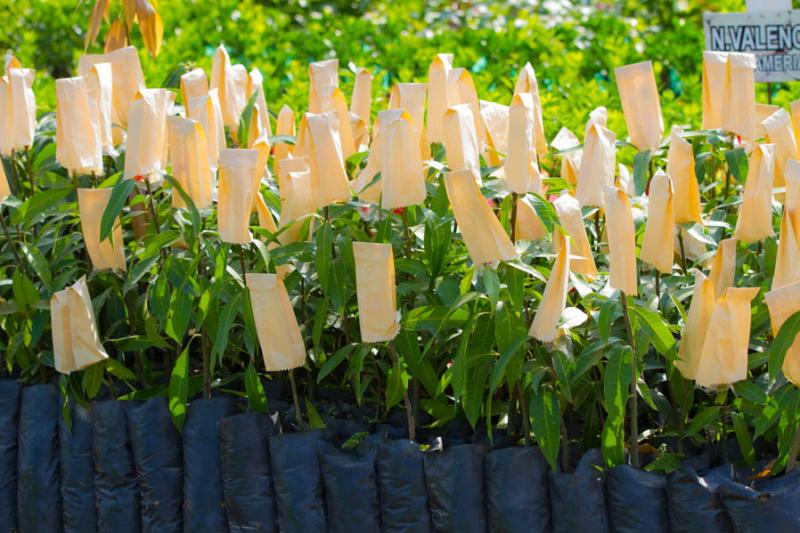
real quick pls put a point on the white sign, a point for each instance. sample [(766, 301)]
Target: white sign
[(768, 5), (773, 36)]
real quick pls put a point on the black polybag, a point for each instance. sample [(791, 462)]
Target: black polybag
[(297, 479), (637, 500), (10, 394), (577, 500), (401, 483), (694, 501), (517, 499), (770, 505), (203, 500), (246, 477), (115, 485), (38, 461), (156, 447), (454, 479), (77, 471), (351, 487)]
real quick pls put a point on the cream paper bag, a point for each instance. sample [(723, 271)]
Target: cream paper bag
[(526, 83), (715, 69), (763, 112), (328, 177), (231, 82), (571, 160), (146, 152), (402, 179), (338, 105), (754, 222), (461, 139), (78, 147), (287, 166), (411, 97), (206, 111), (624, 180), (21, 110), (495, 124), (236, 194), (694, 332), (104, 255), (781, 133), (76, 342), (788, 257), (680, 167), (361, 97), (193, 85), (375, 287), (597, 165), (261, 126), (723, 267), (638, 94), (127, 77), (723, 360), (621, 242), (5, 190), (571, 219), (554, 298), (486, 240), (794, 109), (7, 122), (739, 103), (529, 226), (284, 126), (322, 76), (783, 302), (276, 324), (267, 222), (99, 87), (659, 233), (460, 83), (299, 203), (438, 97), (189, 159), (521, 155)]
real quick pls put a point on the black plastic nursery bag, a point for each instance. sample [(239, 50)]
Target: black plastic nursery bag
[(297, 479), (454, 478), (246, 473), (637, 500), (38, 461), (351, 487), (10, 394), (773, 505), (517, 499), (577, 500), (694, 501), (77, 471), (401, 483), (156, 446), (203, 499), (115, 484)]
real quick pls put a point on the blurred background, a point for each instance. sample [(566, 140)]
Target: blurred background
[(573, 45)]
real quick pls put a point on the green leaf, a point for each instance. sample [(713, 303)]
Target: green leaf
[(750, 392), (229, 312), (743, 438), (703, 419), (545, 211), (334, 361), (256, 397), (656, 329), (323, 256), (407, 346), (39, 203), (491, 283), (395, 385), (179, 388), (119, 195), (314, 420), (91, 380), (781, 344), (499, 371), (180, 312), (612, 442), (546, 413), (616, 381), (246, 120), (37, 262), (25, 292), (737, 163), (608, 312), (318, 324), (118, 370), (641, 171)]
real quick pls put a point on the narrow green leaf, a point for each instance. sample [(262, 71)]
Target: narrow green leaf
[(616, 381), (545, 211), (334, 361), (737, 163), (782, 342), (119, 195), (395, 385), (246, 120), (499, 371), (38, 204), (546, 413), (641, 171), (256, 397), (118, 370), (179, 388), (314, 420), (743, 438), (703, 420)]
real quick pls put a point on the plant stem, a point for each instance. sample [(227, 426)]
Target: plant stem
[(151, 205), (8, 238), (634, 408), (683, 251), (795, 449), (526, 421), (410, 421), (723, 413), (297, 413)]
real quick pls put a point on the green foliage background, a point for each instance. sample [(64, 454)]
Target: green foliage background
[(573, 46)]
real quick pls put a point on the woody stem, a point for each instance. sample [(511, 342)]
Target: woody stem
[(634, 408)]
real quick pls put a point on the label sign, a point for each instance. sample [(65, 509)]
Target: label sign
[(773, 36)]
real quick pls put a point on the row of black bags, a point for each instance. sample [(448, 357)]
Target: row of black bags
[(124, 468)]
